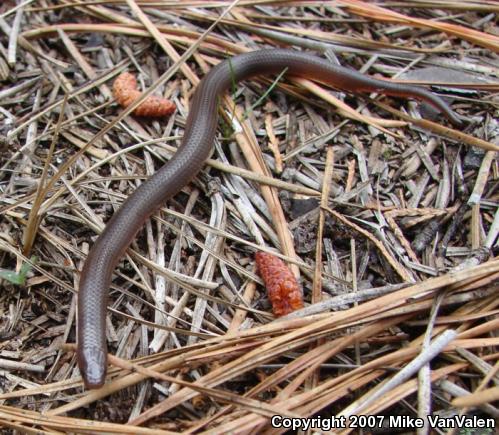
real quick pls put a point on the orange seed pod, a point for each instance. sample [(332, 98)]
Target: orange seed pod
[(125, 91), (282, 288)]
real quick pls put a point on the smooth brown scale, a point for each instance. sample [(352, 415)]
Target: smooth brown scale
[(282, 288), (125, 91)]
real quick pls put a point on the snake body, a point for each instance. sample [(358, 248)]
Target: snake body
[(190, 157)]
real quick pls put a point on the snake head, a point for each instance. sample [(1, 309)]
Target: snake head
[(92, 362)]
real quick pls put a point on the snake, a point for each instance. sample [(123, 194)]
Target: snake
[(188, 160)]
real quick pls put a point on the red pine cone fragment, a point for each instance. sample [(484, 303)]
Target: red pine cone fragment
[(125, 91), (282, 288)]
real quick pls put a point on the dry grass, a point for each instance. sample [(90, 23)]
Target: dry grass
[(389, 219)]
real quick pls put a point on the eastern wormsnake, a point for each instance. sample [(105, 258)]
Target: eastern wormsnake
[(181, 169)]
